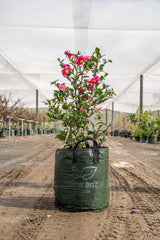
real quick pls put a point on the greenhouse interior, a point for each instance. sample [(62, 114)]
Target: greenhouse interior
[(79, 119), (34, 35)]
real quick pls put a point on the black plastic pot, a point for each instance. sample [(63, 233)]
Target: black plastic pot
[(137, 138), (151, 139), (17, 132), (116, 133)]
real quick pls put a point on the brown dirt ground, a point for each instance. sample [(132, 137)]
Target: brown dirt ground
[(27, 209)]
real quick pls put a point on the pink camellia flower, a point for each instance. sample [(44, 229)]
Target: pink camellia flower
[(83, 90), (68, 53), (55, 98), (62, 86), (65, 65), (90, 85), (88, 58), (81, 110), (80, 60), (66, 70), (97, 108), (95, 80)]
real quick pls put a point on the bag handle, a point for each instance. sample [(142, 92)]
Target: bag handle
[(95, 149)]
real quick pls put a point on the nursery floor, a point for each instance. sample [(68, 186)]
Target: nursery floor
[(27, 209)]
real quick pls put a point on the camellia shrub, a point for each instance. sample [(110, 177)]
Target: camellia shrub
[(76, 100)]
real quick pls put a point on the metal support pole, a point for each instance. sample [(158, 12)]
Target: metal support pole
[(42, 127), (106, 116), (112, 112), (30, 127), (36, 102), (36, 126), (141, 94), (9, 125), (30, 121), (21, 119), (112, 116)]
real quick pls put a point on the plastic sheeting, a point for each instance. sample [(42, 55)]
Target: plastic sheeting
[(35, 33)]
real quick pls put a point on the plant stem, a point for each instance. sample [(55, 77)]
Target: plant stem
[(96, 68), (75, 88), (70, 125)]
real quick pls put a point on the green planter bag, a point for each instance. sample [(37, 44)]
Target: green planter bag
[(81, 179)]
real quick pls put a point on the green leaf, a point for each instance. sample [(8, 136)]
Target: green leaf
[(49, 102), (92, 124), (97, 50), (104, 61), (106, 74), (60, 99), (62, 135), (94, 59), (99, 91), (101, 67), (54, 82), (65, 106)]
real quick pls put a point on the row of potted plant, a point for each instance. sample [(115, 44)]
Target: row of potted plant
[(142, 127), (27, 130)]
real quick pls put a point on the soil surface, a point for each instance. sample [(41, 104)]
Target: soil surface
[(27, 208)]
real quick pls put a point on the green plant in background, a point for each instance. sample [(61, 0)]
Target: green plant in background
[(143, 125), (119, 124), (133, 129), (158, 128), (147, 124), (133, 117), (77, 100), (48, 125)]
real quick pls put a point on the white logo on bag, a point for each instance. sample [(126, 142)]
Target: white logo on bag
[(90, 174), (91, 170)]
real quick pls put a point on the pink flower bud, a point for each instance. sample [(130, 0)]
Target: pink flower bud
[(83, 90), (90, 85), (68, 53)]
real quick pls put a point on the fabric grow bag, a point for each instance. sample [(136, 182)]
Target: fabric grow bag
[(81, 180)]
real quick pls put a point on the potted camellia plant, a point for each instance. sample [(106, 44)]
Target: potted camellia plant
[(81, 168)]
